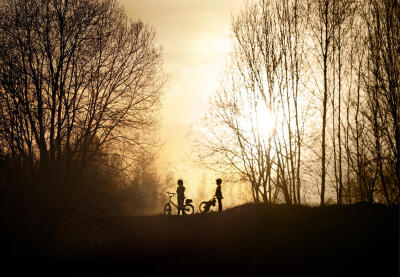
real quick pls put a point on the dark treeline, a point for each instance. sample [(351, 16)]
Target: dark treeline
[(328, 73), (80, 85)]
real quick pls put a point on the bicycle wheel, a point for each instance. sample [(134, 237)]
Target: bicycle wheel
[(167, 209), (203, 207), (188, 209)]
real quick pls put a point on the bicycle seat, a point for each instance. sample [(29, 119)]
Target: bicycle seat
[(188, 201)]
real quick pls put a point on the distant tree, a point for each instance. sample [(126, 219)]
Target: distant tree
[(328, 72), (78, 79), (322, 27), (256, 123), (144, 191), (382, 84)]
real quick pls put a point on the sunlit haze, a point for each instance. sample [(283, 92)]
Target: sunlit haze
[(195, 36)]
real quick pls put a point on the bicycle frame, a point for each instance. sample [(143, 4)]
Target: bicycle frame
[(206, 206), (170, 195), (186, 208)]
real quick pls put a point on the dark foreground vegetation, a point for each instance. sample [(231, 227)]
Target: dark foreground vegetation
[(357, 240)]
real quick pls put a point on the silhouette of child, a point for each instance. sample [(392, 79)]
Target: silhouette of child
[(218, 194), (180, 191)]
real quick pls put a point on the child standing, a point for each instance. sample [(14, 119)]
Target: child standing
[(218, 194), (180, 191)]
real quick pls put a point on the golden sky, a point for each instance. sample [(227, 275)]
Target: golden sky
[(195, 36)]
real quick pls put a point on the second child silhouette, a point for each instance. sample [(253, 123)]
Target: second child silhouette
[(218, 194), (180, 191)]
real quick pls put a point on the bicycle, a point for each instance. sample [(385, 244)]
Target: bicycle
[(205, 206), (188, 208)]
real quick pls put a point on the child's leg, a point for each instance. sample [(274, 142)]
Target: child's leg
[(219, 204), (180, 206)]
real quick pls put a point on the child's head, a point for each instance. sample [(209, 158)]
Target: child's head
[(180, 182), (219, 181)]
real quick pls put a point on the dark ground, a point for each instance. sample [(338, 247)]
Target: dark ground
[(357, 240)]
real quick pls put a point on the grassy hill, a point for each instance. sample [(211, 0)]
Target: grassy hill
[(356, 240)]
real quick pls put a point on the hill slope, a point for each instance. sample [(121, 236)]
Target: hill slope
[(359, 239), (277, 240)]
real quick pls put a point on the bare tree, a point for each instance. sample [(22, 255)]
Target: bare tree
[(322, 30), (257, 119), (382, 87), (325, 17), (352, 58), (77, 78)]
